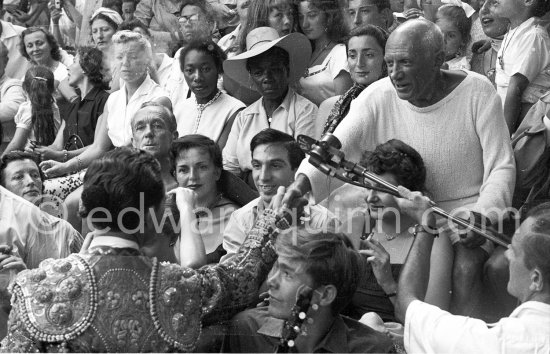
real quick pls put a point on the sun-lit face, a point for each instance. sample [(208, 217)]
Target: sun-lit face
[(493, 26), (201, 74), (383, 206), (365, 12), (195, 170), (271, 169), (365, 59), (284, 282), (131, 60), (38, 48), (313, 21), (281, 17), (102, 34), (22, 178), (150, 132)]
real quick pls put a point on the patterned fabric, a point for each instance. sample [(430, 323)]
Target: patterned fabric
[(341, 108), (117, 300)]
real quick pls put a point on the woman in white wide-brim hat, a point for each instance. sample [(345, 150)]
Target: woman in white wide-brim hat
[(270, 65)]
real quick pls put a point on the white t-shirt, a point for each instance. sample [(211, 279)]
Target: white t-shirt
[(23, 119), (120, 113), (318, 82), (525, 50)]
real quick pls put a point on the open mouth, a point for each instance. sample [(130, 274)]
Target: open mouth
[(194, 186), (268, 188)]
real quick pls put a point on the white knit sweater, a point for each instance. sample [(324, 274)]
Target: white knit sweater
[(463, 140)]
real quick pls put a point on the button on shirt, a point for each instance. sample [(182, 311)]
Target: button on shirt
[(120, 114), (428, 329), (295, 116)]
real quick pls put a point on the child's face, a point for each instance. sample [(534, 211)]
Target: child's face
[(453, 38), (493, 26), (506, 8)]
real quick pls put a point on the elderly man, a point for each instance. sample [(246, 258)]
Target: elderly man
[(429, 329), (455, 121), (11, 96)]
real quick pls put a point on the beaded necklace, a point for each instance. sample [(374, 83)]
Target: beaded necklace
[(201, 108)]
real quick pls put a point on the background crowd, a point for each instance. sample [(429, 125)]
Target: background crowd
[(154, 194)]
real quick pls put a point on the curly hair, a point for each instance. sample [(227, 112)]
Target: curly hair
[(123, 178), (39, 86), (55, 50), (134, 23), (379, 35), (12, 156), (92, 63), (336, 25), (206, 46), (399, 159)]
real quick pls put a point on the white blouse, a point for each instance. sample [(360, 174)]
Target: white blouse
[(318, 82)]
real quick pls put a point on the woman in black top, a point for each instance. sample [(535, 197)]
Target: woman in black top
[(77, 131)]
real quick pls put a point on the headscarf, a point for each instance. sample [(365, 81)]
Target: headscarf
[(111, 14)]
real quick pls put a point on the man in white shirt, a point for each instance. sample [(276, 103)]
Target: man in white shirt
[(9, 35), (429, 329), (275, 158)]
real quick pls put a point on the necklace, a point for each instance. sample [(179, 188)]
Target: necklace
[(201, 107), (390, 237), (317, 57), (506, 44), (203, 211)]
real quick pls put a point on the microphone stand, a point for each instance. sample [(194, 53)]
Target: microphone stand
[(326, 156)]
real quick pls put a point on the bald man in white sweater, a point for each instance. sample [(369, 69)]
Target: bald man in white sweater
[(454, 119)]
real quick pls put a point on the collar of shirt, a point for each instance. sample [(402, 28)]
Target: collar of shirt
[(335, 341), (112, 241), (258, 107), (8, 30), (531, 307), (145, 88)]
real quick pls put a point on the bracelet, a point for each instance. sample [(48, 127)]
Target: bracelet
[(79, 163), (65, 155), (426, 229), (391, 294)]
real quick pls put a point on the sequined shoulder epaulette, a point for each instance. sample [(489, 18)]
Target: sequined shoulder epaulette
[(57, 301), (176, 300)]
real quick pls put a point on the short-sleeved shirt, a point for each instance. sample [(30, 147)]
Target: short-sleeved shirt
[(17, 64), (120, 113), (525, 50), (296, 115), (318, 82), (428, 329), (23, 119), (208, 119), (82, 116)]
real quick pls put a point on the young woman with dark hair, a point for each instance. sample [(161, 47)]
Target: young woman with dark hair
[(37, 120), (327, 75)]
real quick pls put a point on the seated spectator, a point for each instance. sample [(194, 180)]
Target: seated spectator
[(455, 24), (128, 9), (315, 275), (196, 22), (495, 28), (365, 51), (162, 63), (40, 48), (327, 74), (38, 120), (10, 37), (78, 129), (429, 329), (275, 157), (230, 42), (20, 174), (11, 97), (370, 12), (197, 162), (109, 276), (271, 64), (211, 112), (390, 233)]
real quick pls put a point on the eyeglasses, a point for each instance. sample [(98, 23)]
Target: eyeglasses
[(188, 19)]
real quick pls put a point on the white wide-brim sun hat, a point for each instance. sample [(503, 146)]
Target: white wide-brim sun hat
[(262, 39)]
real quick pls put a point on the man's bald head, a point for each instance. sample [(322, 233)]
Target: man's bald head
[(424, 36)]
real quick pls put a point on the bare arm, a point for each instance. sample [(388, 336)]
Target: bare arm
[(512, 105), (19, 140)]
